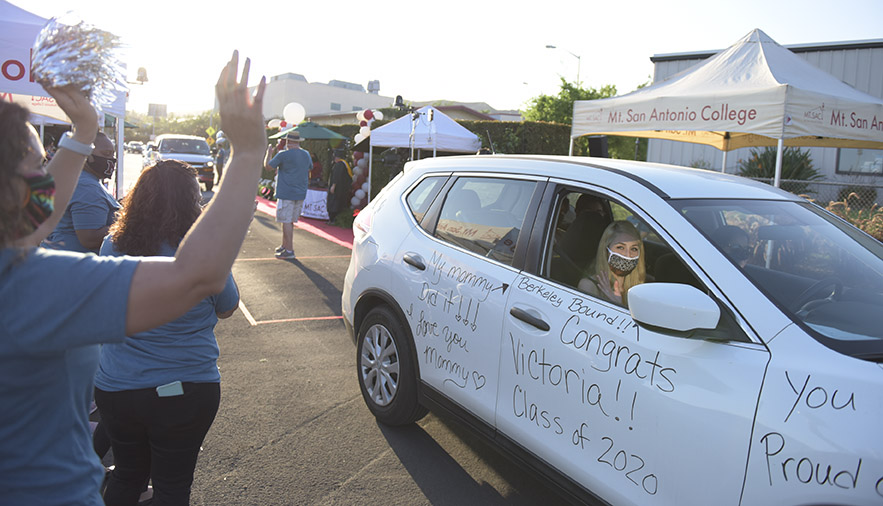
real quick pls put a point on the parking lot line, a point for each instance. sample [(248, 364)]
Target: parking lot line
[(255, 323), (264, 259)]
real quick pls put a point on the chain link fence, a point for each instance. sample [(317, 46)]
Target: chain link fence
[(857, 195)]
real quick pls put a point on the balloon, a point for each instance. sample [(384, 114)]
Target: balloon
[(354, 201), (274, 123), (283, 124), (220, 134), (365, 186), (378, 115), (294, 113), (365, 131), (359, 138), (363, 123), (369, 114), (357, 171), (360, 193), (361, 116), (362, 164), (357, 155)]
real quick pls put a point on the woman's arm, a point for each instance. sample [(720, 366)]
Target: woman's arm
[(66, 165), (163, 289)]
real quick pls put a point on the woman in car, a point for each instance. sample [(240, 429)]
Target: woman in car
[(618, 265), (58, 306), (159, 390)]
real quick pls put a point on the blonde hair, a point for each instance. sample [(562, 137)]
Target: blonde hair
[(638, 275)]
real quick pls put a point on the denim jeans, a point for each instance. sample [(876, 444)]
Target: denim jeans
[(156, 438)]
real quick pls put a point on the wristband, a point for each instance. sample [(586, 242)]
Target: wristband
[(68, 142)]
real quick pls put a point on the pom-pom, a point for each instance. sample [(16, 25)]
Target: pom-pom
[(70, 52)]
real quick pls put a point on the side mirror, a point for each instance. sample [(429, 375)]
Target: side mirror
[(673, 306)]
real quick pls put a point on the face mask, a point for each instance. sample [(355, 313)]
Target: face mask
[(41, 199), (101, 166), (621, 265)]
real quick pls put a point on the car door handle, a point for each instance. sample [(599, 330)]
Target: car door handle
[(414, 260), (529, 318)]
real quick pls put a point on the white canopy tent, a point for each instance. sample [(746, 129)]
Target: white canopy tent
[(425, 128), (754, 93), (18, 31)]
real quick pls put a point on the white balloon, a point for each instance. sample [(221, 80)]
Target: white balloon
[(294, 113), (359, 138), (357, 171), (365, 131), (365, 187), (360, 194), (360, 115), (378, 115), (362, 163), (355, 201), (274, 123)]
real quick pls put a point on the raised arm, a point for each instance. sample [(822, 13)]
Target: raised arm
[(66, 165), (163, 289)]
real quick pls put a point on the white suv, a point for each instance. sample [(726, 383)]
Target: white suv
[(186, 148), (743, 367)]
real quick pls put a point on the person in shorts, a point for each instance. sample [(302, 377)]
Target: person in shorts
[(292, 168)]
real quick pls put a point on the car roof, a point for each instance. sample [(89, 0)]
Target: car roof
[(178, 136), (667, 181)]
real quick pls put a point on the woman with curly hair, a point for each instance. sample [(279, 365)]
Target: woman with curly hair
[(58, 306), (618, 265), (158, 391)]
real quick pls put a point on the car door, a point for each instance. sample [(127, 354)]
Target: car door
[(458, 267), (636, 415)]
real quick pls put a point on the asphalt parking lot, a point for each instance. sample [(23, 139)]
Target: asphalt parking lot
[(292, 427)]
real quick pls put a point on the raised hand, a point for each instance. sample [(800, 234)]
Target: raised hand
[(241, 116), (76, 105)]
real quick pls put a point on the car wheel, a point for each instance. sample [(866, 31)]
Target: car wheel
[(208, 185), (386, 369)]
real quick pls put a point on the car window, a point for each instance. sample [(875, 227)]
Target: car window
[(188, 146), (823, 272), (581, 219), (422, 196), (485, 215)]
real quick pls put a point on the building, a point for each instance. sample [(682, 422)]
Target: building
[(334, 97), (857, 63)]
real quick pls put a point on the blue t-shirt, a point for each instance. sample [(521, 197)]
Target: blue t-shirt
[(182, 350), (91, 207), (294, 173), (56, 307)]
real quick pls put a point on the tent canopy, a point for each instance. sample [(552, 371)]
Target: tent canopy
[(753, 93), (442, 133), (18, 31), (310, 130)]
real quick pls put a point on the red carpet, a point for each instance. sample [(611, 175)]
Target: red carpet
[(341, 236)]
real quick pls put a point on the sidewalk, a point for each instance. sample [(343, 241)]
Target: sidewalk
[(337, 235)]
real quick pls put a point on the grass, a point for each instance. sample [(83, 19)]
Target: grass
[(868, 219)]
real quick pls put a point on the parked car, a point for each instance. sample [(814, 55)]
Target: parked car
[(745, 369), (186, 148)]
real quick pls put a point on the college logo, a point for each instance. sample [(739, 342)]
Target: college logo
[(817, 114), (594, 115)]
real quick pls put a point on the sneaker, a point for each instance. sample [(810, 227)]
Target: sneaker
[(285, 254), (279, 249)]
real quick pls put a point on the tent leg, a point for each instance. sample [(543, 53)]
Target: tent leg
[(570, 148), (780, 147), (724, 163), (370, 162), (121, 155)]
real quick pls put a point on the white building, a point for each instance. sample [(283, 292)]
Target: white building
[(857, 63), (320, 98)]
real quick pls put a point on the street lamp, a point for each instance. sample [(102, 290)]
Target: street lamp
[(578, 59)]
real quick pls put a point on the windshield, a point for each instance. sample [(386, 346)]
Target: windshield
[(826, 274), (188, 146)]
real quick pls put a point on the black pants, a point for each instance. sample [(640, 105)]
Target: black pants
[(156, 437)]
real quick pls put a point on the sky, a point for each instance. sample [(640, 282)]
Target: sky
[(468, 51)]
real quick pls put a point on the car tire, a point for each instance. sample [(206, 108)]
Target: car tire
[(386, 369)]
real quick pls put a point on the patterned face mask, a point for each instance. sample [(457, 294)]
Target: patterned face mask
[(621, 265), (40, 198), (102, 166)]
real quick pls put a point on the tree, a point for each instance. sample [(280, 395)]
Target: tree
[(559, 109)]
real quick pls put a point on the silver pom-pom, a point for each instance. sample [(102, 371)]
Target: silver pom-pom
[(78, 54)]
